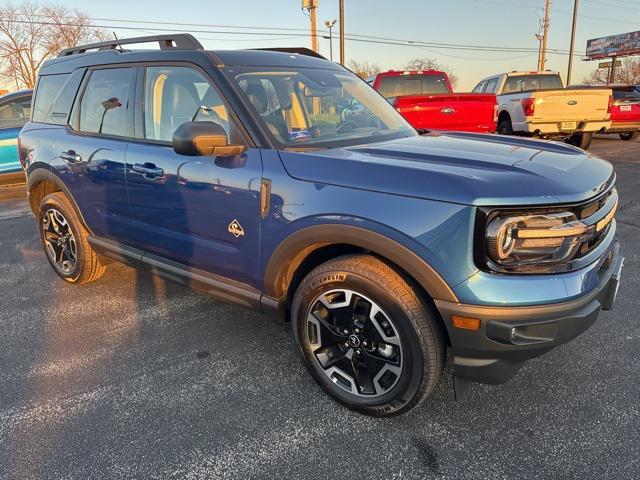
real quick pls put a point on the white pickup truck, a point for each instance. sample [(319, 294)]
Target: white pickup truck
[(537, 104)]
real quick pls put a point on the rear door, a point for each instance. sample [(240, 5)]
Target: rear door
[(202, 212), (90, 152)]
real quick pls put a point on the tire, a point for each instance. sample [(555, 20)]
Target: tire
[(379, 364), (64, 240), (505, 127), (629, 136), (580, 140)]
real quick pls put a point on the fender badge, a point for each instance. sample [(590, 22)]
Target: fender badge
[(236, 229)]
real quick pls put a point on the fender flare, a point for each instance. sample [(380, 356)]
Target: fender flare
[(291, 252), (44, 174)]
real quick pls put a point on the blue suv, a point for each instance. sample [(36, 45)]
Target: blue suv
[(280, 181)]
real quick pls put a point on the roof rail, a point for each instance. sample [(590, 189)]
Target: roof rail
[(181, 41), (299, 50)]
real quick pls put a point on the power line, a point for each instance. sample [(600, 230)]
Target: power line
[(351, 37)]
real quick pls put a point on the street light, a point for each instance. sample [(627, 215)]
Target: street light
[(329, 24)]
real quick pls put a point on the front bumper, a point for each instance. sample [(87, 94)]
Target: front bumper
[(508, 336)]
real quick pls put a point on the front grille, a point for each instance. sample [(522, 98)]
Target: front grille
[(598, 216)]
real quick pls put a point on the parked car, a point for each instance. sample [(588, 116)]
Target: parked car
[(537, 104), (426, 100), (15, 110), (232, 172), (625, 114)]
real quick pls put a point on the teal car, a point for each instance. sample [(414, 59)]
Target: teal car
[(15, 111)]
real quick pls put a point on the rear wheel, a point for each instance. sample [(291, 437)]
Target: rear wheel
[(629, 136), (505, 127), (64, 240), (580, 140), (366, 337)]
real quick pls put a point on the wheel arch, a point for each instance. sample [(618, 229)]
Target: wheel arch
[(504, 115), (304, 250), (41, 182)]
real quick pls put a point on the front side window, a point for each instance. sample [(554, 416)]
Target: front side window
[(317, 107), (175, 95), (105, 100), (15, 113)]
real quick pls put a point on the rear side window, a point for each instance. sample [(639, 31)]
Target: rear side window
[(491, 86), (401, 85), (479, 87), (54, 97), (15, 112), (104, 102)]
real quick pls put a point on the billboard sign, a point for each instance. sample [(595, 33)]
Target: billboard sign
[(621, 45)]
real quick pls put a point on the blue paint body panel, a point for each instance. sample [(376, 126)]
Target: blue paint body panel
[(423, 193)]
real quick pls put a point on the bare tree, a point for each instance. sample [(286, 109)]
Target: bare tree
[(426, 63), (30, 34), (629, 73), (364, 69)]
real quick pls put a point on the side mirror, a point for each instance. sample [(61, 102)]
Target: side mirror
[(203, 139)]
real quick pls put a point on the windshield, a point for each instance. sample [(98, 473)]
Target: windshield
[(308, 107)]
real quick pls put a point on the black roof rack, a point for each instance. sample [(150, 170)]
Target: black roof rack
[(299, 50), (181, 41)]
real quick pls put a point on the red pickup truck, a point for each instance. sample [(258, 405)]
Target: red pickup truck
[(426, 100)]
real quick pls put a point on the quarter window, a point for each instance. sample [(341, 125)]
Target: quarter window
[(105, 100), (15, 113), (175, 95)]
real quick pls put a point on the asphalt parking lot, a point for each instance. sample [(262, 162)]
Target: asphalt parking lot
[(135, 377)]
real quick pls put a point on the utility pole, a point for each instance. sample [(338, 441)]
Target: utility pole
[(329, 24), (311, 6), (545, 34), (539, 37), (573, 39), (342, 32)]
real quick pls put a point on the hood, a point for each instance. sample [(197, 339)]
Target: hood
[(463, 168)]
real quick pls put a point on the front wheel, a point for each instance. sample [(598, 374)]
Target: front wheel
[(629, 136), (580, 140), (366, 337)]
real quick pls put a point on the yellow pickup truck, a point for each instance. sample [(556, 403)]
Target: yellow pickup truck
[(537, 104)]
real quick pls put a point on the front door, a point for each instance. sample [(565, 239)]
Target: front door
[(202, 212)]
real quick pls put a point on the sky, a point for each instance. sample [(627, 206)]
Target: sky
[(500, 23)]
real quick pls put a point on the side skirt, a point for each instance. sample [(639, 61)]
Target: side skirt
[(218, 287)]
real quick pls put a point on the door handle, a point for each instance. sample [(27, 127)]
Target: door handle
[(70, 156), (149, 170), (448, 110)]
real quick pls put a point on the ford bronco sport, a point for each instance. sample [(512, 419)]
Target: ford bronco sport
[(236, 173)]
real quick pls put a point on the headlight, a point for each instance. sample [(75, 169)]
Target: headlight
[(529, 242)]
